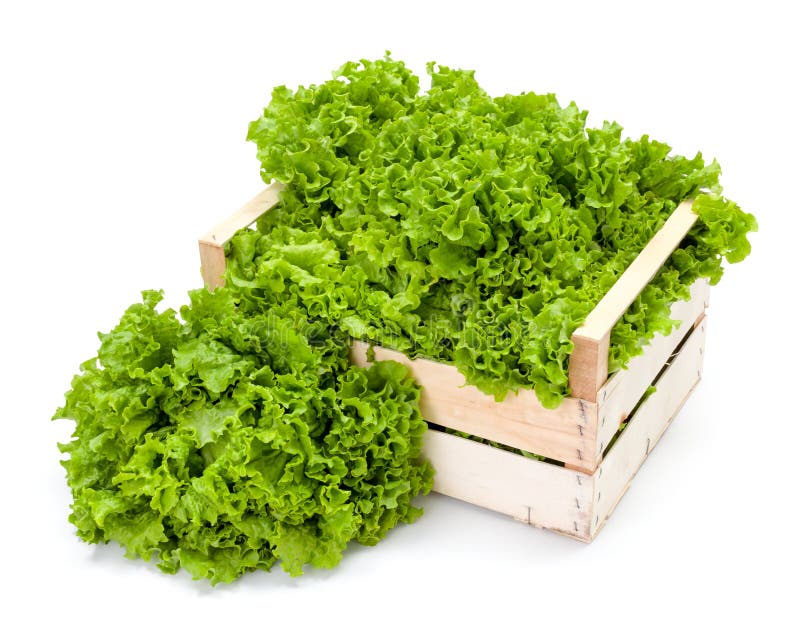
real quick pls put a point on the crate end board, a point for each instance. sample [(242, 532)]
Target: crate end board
[(566, 434), (624, 389), (553, 497), (212, 244), (674, 386), (588, 367)]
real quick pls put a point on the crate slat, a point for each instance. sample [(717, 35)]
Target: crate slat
[(544, 495), (212, 244), (567, 433), (647, 426), (624, 389), (588, 369), (554, 497)]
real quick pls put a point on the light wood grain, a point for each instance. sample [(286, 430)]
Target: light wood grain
[(212, 264), (554, 497), (646, 427), (245, 215), (588, 368), (630, 284), (534, 492), (567, 433), (624, 389), (212, 244)]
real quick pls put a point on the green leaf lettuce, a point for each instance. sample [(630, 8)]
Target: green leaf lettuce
[(469, 229), (233, 439)]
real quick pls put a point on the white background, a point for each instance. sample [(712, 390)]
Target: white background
[(122, 139)]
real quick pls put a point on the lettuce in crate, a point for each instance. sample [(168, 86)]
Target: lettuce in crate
[(470, 229)]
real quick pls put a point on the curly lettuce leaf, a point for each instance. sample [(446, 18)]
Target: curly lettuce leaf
[(236, 439), (470, 229)]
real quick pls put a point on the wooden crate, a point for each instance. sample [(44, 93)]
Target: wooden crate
[(594, 460)]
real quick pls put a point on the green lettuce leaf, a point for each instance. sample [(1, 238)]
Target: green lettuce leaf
[(470, 229), (235, 439)]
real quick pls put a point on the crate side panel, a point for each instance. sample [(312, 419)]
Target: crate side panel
[(538, 493), (646, 427), (625, 388), (566, 434), (510, 431), (212, 244)]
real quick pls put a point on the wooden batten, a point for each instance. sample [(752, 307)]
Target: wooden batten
[(588, 369), (624, 389), (646, 427), (567, 433), (212, 244), (588, 365), (537, 493)]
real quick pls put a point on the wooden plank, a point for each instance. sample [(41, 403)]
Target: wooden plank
[(630, 284), (646, 427), (588, 366), (625, 388), (212, 244), (588, 370), (245, 215), (567, 434), (538, 493), (212, 264)]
